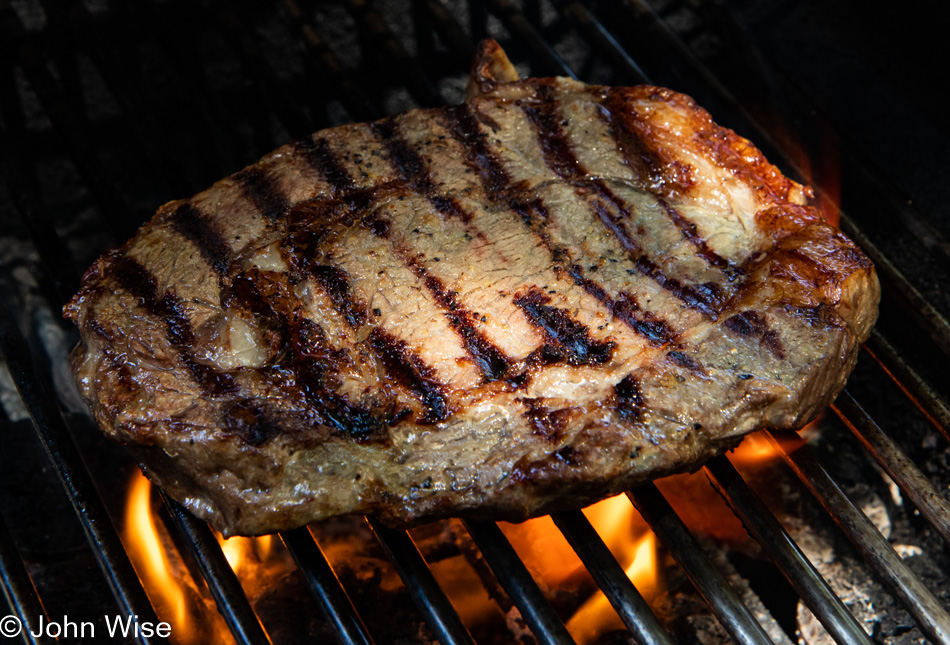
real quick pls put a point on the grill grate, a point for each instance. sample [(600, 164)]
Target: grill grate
[(406, 57)]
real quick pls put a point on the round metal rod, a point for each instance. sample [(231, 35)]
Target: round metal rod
[(421, 584), (734, 616), (18, 590), (518, 583), (325, 587), (928, 401), (68, 464), (595, 31), (892, 459), (873, 547), (224, 585), (776, 542), (611, 578), (550, 61)]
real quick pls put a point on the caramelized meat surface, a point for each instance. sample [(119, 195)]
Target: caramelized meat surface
[(523, 303)]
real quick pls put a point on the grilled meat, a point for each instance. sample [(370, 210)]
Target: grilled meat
[(524, 303)]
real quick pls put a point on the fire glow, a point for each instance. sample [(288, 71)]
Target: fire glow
[(259, 561), (151, 559), (170, 588)]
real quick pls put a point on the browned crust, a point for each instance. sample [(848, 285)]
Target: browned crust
[(229, 460)]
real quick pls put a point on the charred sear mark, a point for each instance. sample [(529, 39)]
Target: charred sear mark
[(316, 365), (689, 231), (627, 309), (137, 280), (409, 370), (336, 284), (413, 168), (321, 158), (264, 191), (629, 399), (561, 159), (307, 354), (252, 423), (201, 230), (607, 207), (571, 339), (479, 155), (377, 225), (823, 316), (706, 298), (490, 360), (660, 175), (753, 324), (684, 360), (546, 423)]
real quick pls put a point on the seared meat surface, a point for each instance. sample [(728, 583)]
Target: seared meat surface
[(540, 297)]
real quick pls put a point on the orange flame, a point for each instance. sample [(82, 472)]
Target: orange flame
[(596, 616), (241, 552), (152, 562)]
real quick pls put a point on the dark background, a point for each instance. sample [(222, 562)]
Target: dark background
[(109, 109)]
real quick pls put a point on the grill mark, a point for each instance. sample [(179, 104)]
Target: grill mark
[(688, 229), (561, 159), (189, 222), (661, 176), (706, 298), (400, 361), (321, 158), (413, 168), (310, 358), (545, 423), (685, 361), (463, 125), (407, 368), (138, 281), (627, 309), (496, 181), (628, 395), (753, 324), (335, 282), (497, 185), (571, 338), (490, 360), (264, 192)]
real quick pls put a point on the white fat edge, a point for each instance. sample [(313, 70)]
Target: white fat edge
[(578, 384), (268, 258), (465, 441), (239, 344)]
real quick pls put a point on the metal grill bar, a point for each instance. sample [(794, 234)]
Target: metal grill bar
[(18, 589), (224, 585), (936, 325), (518, 583), (902, 470), (910, 382), (325, 587), (611, 578), (421, 584), (606, 43), (56, 107), (734, 616), (66, 460), (547, 56), (394, 54), (877, 552), (768, 532)]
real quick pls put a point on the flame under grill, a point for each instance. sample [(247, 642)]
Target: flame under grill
[(83, 137)]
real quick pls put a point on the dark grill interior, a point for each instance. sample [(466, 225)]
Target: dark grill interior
[(109, 110)]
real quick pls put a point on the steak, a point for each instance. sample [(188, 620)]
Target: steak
[(524, 303)]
